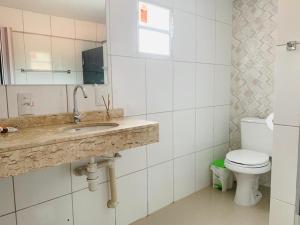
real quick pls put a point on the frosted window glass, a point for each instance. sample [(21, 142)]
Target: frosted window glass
[(154, 29), (153, 16), (154, 42)]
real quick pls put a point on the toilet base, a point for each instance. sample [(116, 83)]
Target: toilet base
[(247, 193)]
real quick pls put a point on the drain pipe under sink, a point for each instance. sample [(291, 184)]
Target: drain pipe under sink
[(90, 171)]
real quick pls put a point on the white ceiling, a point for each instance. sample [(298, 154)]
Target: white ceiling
[(91, 10)]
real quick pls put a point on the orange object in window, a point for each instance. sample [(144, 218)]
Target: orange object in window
[(144, 14)]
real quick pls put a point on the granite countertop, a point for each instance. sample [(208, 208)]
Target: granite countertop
[(53, 134), (45, 141)]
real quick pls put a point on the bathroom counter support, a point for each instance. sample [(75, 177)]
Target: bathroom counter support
[(48, 144)]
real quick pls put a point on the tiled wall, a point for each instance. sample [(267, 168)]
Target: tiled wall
[(44, 42), (253, 60), (187, 93)]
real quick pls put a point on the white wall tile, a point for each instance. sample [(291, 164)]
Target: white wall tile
[(90, 208), (159, 80), (204, 85), (187, 5), (184, 85), (160, 186), (184, 176), (10, 17), (81, 46), (206, 8), (80, 182), (3, 103), (58, 211), (62, 27), (204, 128), (184, 41), (38, 52), (223, 43), (132, 160), (220, 151), (36, 23), (101, 32), (224, 11), (203, 172), (88, 104), (132, 191), (8, 219), (86, 30), (40, 97), (222, 85), (152, 79), (163, 150), (184, 132), (205, 40), (284, 163), (287, 75), (126, 74), (19, 51), (42, 185), (7, 204), (123, 27), (221, 125), (281, 213), (63, 54)]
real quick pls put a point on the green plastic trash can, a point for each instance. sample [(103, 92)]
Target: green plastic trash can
[(222, 177)]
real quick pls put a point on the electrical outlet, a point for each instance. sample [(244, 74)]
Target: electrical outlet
[(25, 104)]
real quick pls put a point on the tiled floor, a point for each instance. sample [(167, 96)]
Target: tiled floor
[(211, 207)]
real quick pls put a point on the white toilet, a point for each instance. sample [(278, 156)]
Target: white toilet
[(251, 161)]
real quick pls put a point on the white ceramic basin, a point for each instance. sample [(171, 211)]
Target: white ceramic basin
[(91, 127)]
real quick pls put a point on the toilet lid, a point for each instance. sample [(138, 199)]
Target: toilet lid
[(247, 157)]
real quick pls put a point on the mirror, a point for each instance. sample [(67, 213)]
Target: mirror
[(53, 42)]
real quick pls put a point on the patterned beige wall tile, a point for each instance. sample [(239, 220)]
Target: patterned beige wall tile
[(253, 59)]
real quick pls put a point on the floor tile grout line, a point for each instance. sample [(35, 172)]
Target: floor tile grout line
[(15, 203), (72, 196)]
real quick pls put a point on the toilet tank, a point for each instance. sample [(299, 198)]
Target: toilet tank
[(256, 135)]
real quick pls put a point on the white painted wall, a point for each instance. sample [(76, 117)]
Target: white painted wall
[(284, 199), (187, 93)]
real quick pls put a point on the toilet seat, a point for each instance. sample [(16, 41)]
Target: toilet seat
[(248, 162), (248, 157)]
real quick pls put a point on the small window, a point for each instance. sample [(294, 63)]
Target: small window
[(154, 29)]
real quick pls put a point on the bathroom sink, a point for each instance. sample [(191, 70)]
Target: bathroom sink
[(91, 127)]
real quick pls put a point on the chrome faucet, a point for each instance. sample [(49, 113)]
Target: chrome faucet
[(76, 113)]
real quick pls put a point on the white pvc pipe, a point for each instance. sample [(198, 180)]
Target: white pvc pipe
[(90, 171), (92, 176), (113, 202)]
